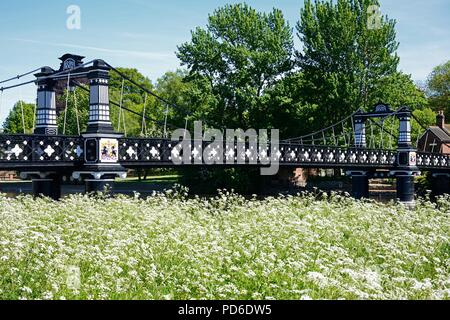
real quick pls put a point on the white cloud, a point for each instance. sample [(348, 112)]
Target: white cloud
[(161, 56)]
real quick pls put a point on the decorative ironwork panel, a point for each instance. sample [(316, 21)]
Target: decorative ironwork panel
[(427, 160), (145, 150), (40, 148)]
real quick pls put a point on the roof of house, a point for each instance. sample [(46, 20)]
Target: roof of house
[(442, 134)]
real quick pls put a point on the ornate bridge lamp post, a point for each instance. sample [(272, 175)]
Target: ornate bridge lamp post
[(101, 142), (360, 178), (406, 167)]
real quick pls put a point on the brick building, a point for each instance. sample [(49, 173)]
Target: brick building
[(436, 138)]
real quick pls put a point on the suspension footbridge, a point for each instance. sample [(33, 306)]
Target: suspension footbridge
[(377, 143)]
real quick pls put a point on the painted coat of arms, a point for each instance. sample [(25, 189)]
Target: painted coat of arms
[(109, 150)]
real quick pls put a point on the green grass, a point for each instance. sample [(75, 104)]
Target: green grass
[(227, 247)]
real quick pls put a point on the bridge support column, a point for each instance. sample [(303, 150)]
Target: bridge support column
[(440, 184), (405, 187), (47, 187), (405, 161), (360, 184), (46, 184)]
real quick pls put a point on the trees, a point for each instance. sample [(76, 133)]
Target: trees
[(345, 62), (15, 121), (399, 90), (438, 88), (77, 107), (235, 66), (186, 100), (240, 55), (133, 98)]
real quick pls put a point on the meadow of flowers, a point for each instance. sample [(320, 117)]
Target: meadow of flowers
[(172, 247)]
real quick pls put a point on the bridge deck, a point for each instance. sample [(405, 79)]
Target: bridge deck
[(66, 153)]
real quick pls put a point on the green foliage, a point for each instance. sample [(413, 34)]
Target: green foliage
[(438, 86), (399, 90), (14, 122), (133, 98), (240, 55), (344, 63), (425, 118), (185, 98), (77, 106)]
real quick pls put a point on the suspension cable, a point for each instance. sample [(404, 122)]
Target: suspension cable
[(185, 128), (343, 134), (75, 102), (391, 146), (144, 125), (34, 116), (149, 91), (165, 121), (67, 103), (324, 129), (23, 117), (353, 130), (120, 107), (115, 104), (21, 75), (334, 137), (63, 72), (382, 133), (17, 85), (372, 140)]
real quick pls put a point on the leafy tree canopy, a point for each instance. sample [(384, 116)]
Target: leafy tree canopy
[(239, 56), (20, 119), (438, 88), (343, 58)]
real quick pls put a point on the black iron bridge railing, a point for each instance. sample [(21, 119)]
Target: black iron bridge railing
[(24, 152), (19, 151), (141, 152)]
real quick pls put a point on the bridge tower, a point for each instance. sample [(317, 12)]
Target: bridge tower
[(101, 142), (406, 160), (46, 181), (360, 178), (46, 103)]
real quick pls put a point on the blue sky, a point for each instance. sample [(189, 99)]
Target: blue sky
[(145, 34)]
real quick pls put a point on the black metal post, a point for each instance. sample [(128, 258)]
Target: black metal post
[(405, 189), (47, 187), (406, 166), (360, 184), (440, 184)]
